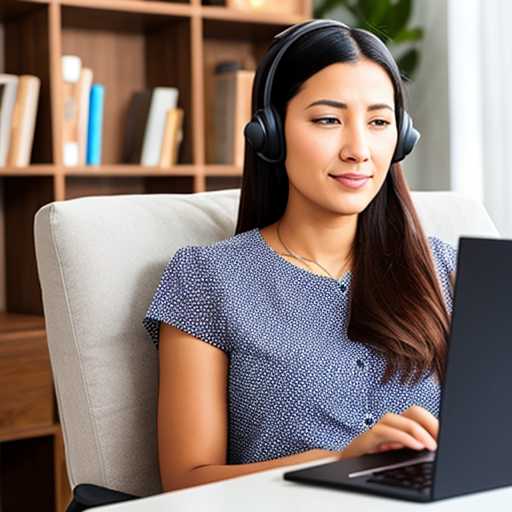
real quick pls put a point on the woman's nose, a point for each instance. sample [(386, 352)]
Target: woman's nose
[(354, 145)]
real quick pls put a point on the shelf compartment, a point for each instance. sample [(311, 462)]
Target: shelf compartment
[(23, 196), (129, 52), (26, 386), (226, 41), (27, 49)]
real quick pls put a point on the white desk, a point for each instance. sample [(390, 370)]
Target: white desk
[(268, 492)]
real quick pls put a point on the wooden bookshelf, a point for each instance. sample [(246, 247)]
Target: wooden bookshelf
[(130, 45), (32, 467)]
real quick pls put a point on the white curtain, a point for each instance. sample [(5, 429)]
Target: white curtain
[(480, 71)]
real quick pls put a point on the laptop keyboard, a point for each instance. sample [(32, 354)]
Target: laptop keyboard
[(416, 477)]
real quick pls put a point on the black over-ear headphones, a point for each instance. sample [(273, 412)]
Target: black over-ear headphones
[(265, 131)]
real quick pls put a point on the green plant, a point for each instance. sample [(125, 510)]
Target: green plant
[(388, 19)]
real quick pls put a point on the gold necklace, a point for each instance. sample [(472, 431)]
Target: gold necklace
[(291, 254)]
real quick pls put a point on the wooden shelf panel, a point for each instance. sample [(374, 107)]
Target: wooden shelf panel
[(32, 170), (222, 170), (255, 16), (133, 6), (121, 170), (29, 433), (130, 171), (110, 15), (13, 322)]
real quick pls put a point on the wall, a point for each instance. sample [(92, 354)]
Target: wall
[(428, 167)]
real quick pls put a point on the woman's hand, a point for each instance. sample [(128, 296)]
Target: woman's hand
[(415, 428)]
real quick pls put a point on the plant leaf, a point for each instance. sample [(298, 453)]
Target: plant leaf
[(374, 10), (408, 62), (397, 17), (409, 35)]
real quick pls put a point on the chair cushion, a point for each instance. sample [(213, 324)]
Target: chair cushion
[(100, 260)]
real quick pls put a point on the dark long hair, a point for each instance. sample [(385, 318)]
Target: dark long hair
[(396, 304)]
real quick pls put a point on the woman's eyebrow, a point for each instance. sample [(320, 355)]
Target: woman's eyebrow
[(344, 106), (329, 103), (380, 106)]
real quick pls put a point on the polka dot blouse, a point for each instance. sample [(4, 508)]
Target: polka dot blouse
[(296, 382)]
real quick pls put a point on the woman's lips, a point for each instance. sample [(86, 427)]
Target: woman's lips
[(353, 181)]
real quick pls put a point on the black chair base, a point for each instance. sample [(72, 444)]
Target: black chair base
[(88, 495)]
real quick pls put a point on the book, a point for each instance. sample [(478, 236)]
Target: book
[(136, 126), (24, 121), (173, 137), (71, 69), (231, 112), (95, 125), (8, 92), (83, 99), (163, 99)]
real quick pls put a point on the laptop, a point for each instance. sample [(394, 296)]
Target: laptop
[(474, 451)]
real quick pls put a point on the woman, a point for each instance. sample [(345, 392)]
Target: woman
[(320, 329)]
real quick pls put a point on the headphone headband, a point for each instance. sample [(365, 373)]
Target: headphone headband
[(292, 34)]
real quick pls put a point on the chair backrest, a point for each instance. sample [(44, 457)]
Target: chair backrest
[(100, 260)]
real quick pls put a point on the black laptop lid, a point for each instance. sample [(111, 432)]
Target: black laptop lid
[(475, 438)]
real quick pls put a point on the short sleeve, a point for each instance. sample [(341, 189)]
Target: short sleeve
[(186, 298), (445, 261)]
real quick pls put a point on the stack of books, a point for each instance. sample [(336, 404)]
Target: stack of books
[(19, 99), (155, 128), (83, 114)]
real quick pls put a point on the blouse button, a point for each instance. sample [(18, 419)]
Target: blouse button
[(343, 287), (360, 363), (368, 421)]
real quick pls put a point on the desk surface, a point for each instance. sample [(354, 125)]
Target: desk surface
[(268, 492)]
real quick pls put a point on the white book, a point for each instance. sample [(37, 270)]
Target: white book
[(163, 99), (8, 92)]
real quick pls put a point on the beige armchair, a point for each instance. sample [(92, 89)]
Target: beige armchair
[(100, 260)]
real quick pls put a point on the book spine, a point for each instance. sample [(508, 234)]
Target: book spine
[(173, 136), (94, 132), (24, 121), (9, 88), (71, 68), (83, 95), (242, 114)]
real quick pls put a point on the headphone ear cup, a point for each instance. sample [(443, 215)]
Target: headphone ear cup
[(265, 134), (255, 132), (407, 139)]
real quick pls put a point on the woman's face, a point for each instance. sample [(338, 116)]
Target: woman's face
[(341, 133)]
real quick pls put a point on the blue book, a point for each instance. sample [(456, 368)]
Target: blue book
[(95, 126)]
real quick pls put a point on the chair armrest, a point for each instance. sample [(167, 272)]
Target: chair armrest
[(88, 495)]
